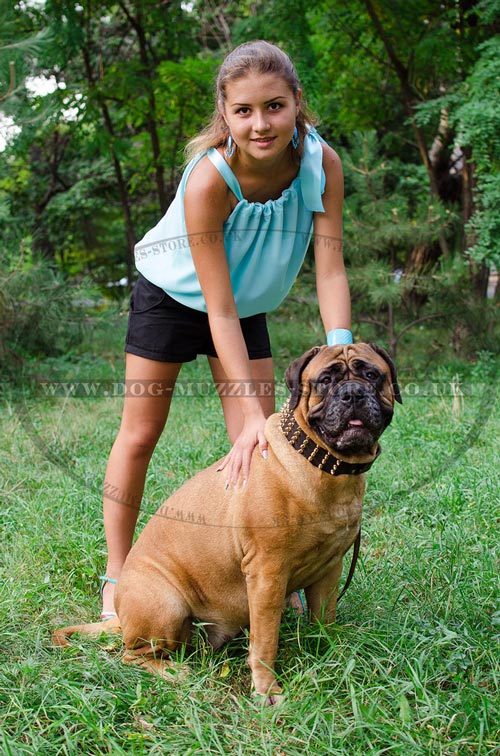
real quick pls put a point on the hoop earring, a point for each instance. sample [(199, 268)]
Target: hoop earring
[(230, 147), (295, 138)]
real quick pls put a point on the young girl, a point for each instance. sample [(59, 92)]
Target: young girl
[(227, 251)]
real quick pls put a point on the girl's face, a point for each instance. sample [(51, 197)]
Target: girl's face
[(261, 112)]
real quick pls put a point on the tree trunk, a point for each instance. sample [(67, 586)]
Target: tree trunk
[(41, 240), (124, 198), (151, 117)]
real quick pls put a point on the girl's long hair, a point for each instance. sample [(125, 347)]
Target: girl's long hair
[(251, 57)]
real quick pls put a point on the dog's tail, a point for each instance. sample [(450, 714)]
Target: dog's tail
[(62, 636)]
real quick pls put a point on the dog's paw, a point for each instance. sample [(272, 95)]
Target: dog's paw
[(273, 697)]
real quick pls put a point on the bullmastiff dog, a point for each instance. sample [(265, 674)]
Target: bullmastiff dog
[(229, 558)]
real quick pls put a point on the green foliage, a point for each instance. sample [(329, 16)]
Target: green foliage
[(430, 44), (473, 108), (184, 94), (350, 93), (411, 70), (99, 158), (484, 226), (390, 230), (284, 23), (20, 45), (477, 118), (479, 114), (40, 313)]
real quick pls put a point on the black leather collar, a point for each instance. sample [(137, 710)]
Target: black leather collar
[(317, 455)]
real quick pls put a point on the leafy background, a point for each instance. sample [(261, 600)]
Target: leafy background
[(408, 93)]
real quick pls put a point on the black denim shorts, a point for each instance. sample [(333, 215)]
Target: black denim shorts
[(160, 328)]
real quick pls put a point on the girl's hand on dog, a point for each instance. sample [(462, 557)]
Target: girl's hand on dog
[(237, 462)]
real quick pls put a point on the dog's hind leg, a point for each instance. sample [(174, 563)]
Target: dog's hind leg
[(219, 634), (153, 656), (154, 623)]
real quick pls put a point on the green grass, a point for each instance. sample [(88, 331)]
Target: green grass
[(412, 666)]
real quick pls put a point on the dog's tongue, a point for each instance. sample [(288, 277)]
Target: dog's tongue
[(357, 423)]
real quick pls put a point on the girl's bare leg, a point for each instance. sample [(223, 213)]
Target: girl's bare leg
[(263, 377), (149, 385)]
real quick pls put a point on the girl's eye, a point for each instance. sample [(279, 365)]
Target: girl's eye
[(275, 106), (243, 111)]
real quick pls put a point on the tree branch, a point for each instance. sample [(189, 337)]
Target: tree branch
[(398, 66), (416, 322), (12, 82), (385, 326)]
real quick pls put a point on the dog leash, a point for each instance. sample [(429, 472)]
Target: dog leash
[(352, 568)]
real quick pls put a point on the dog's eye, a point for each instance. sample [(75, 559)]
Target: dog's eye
[(325, 380), (371, 375)]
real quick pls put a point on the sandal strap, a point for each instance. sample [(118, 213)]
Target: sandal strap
[(105, 579), (107, 616), (302, 598)]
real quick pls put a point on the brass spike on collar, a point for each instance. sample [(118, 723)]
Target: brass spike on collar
[(317, 455)]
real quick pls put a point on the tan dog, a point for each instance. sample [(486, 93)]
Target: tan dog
[(228, 558)]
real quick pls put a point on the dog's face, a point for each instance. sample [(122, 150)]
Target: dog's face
[(346, 394)]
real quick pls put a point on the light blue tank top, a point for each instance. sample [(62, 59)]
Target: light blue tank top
[(265, 243)]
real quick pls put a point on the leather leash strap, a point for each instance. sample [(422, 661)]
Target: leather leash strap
[(352, 568)]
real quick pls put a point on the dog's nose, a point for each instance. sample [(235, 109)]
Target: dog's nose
[(352, 393)]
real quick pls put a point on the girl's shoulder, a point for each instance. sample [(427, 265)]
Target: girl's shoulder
[(204, 177), (332, 165), (205, 184), (330, 156), (206, 193)]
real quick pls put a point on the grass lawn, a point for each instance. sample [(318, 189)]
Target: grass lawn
[(412, 665)]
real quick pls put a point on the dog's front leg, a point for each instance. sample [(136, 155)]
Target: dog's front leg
[(322, 595), (266, 594)]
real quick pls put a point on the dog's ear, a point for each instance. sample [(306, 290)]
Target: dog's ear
[(294, 372), (385, 356)]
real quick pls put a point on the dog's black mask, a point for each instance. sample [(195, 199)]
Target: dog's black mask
[(348, 404), (351, 415)]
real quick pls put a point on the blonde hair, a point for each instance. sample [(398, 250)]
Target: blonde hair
[(259, 57)]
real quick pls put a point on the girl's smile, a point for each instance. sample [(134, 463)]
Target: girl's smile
[(264, 141)]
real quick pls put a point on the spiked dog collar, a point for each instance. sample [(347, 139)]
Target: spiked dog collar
[(317, 455)]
